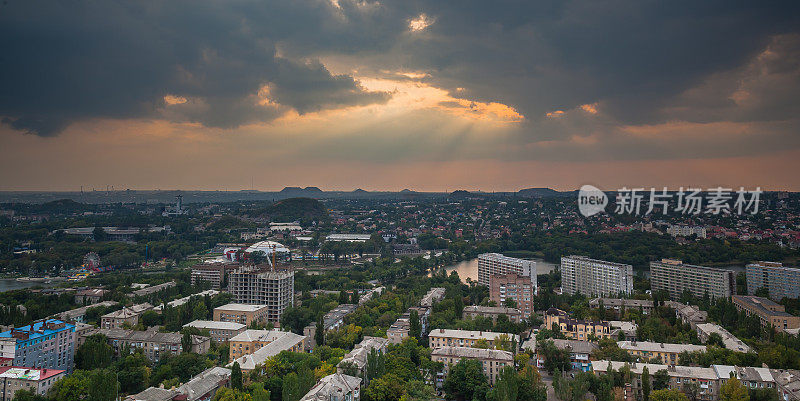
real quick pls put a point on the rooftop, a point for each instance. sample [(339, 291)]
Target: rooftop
[(38, 329), (494, 310), (14, 372), (470, 334), (241, 307), (576, 346), (731, 342), (258, 335), (764, 306), (477, 353), (283, 342), (659, 347), (336, 383), (213, 324), (204, 382)]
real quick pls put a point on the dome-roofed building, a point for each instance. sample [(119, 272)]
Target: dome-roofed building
[(267, 247)]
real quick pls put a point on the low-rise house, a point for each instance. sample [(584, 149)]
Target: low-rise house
[(127, 316), (37, 381), (580, 354), (357, 358), (286, 341), (492, 312), (335, 387), (619, 304), (705, 330), (492, 360), (467, 338), (574, 328), (152, 343), (219, 331), (667, 353)]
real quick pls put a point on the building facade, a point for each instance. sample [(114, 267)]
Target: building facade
[(579, 274), (576, 329), (127, 316), (219, 331), (619, 304), (493, 360), (280, 341), (331, 321), (493, 264), (768, 312), (213, 273), (335, 387), (37, 381), (580, 354), (667, 353), (675, 277), (47, 344), (250, 341), (152, 343), (241, 313), (492, 312), (512, 286), (272, 288), (467, 338), (781, 282), (357, 358)]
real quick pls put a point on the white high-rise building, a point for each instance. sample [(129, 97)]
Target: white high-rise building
[(495, 264), (595, 277)]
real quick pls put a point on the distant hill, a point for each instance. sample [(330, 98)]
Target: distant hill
[(460, 193), (294, 209), (541, 193), (360, 191), (296, 192)]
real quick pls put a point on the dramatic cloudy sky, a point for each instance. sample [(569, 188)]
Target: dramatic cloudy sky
[(428, 95)]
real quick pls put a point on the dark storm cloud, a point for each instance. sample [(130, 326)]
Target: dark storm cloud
[(644, 62)]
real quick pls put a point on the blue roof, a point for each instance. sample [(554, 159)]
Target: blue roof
[(34, 333)]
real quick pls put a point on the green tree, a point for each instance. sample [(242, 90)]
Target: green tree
[(386, 388), (415, 329), (646, 383), (95, 353), (259, 393), (376, 365), (556, 360), (103, 385), (290, 390), (466, 381), (28, 395), (661, 379), (186, 342), (344, 297), (733, 390), (319, 333), (668, 395), (236, 376)]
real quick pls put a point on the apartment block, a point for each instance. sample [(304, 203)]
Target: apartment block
[(675, 277), (580, 354), (357, 358), (493, 264), (435, 294), (219, 331), (705, 330), (492, 312), (250, 341), (707, 380), (154, 289), (241, 313), (768, 312), (330, 321), (127, 316), (667, 353), (78, 315), (153, 344), (212, 273), (512, 286), (686, 231), (782, 282), (688, 314), (576, 329), (466, 338), (493, 360), (335, 387), (272, 288), (281, 341), (618, 304), (46, 344), (580, 274), (37, 381), (202, 387)]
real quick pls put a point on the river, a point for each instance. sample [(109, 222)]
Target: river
[(9, 284), (469, 268)]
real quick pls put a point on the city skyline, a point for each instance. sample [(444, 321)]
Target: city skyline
[(347, 94)]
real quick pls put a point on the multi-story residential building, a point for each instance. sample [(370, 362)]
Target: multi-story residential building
[(787, 382), (493, 360), (576, 329), (495, 264), (241, 313), (435, 294), (399, 330), (152, 343), (37, 381), (89, 296), (624, 328), (580, 353), (619, 304), (213, 273), (768, 312), (781, 282), (330, 321), (219, 331), (282, 341), (202, 387), (335, 387), (492, 312), (580, 274), (250, 341), (78, 315), (688, 314), (127, 316), (675, 277), (154, 289), (705, 330), (512, 286), (274, 288), (686, 231), (467, 338), (707, 381), (667, 353), (47, 344), (357, 358)]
